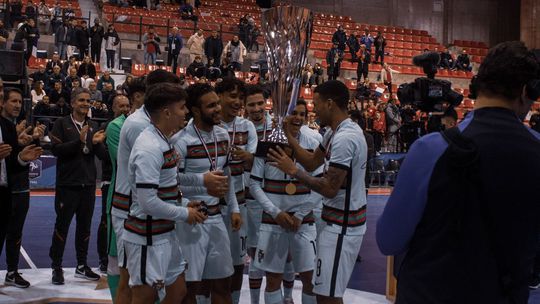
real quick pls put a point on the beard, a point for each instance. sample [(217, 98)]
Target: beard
[(209, 119)]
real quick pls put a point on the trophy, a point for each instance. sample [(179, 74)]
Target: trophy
[(287, 34)]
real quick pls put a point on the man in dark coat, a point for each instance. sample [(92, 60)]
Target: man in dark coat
[(96, 38), (334, 56), (83, 40), (174, 45), (354, 45), (340, 38), (213, 48)]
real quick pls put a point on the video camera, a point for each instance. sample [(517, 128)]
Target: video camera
[(427, 93)]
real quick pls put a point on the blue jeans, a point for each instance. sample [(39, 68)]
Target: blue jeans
[(151, 56), (61, 49)]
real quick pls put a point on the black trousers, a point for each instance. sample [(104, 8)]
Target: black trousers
[(102, 229), (82, 52), (19, 208), (5, 207), (362, 72), (379, 53), (173, 59), (95, 52), (110, 58), (70, 201)]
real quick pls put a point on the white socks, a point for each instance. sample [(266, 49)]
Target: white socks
[(202, 299), (273, 297), (288, 280), (255, 282)]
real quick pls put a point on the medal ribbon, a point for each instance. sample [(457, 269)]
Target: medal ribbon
[(213, 162)]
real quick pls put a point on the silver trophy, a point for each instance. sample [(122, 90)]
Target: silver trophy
[(287, 34)]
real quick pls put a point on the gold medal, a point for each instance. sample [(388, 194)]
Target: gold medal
[(290, 189)]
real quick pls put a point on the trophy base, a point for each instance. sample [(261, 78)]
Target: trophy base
[(264, 146)]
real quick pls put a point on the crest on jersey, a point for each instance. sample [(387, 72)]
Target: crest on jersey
[(260, 255), (158, 285)]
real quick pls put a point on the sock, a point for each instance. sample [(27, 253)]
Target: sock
[(202, 299), (307, 299), (255, 282), (235, 296), (288, 280), (113, 284), (273, 297)]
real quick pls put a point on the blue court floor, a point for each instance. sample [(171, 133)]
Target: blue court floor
[(369, 275)]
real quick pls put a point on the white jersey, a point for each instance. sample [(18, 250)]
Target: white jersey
[(131, 129), (263, 130), (242, 135), (195, 162), (153, 180), (268, 185), (346, 149)]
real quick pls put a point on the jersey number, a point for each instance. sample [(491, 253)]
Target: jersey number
[(319, 263)]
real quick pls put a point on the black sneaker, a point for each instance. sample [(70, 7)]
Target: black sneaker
[(103, 268), (13, 278), (84, 272), (534, 282), (58, 276)]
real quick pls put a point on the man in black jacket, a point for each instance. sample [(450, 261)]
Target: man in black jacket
[(83, 39), (354, 45), (174, 45), (31, 36), (340, 38), (71, 38), (464, 209), (96, 38), (463, 62), (55, 61), (61, 38), (213, 47), (380, 45), (363, 64), (20, 188), (334, 56), (75, 142)]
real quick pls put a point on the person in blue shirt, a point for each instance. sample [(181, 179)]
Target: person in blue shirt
[(466, 215)]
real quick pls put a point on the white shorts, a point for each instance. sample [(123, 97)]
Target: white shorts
[(336, 257), (206, 248), (275, 244), (254, 216), (118, 226), (238, 238), (157, 265)]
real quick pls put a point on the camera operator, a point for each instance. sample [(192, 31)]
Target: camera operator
[(442, 120), (465, 207)]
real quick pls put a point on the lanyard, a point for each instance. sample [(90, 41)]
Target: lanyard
[(213, 162), (77, 126), (232, 145), (163, 137)]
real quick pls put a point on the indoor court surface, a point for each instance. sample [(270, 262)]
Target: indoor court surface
[(367, 284)]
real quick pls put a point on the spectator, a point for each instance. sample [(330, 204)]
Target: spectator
[(354, 45), (318, 73), (186, 12), (307, 75), (99, 110), (86, 72), (196, 68), (71, 63), (174, 46), (95, 94), (39, 75), (150, 41), (226, 68), (380, 45), (70, 78), (111, 41), (43, 107), (195, 45), (83, 39), (61, 39), (32, 37), (44, 17), (59, 92), (463, 62), (107, 93), (367, 40), (362, 70), (340, 38), (212, 72), (244, 29), (125, 86), (15, 11), (4, 36), (71, 38), (55, 61), (393, 123), (61, 108), (255, 33), (53, 78), (105, 78), (387, 76), (75, 144), (379, 128), (56, 18), (97, 32), (37, 92), (20, 37), (235, 51), (68, 12), (213, 48), (447, 61), (31, 11), (334, 56)]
